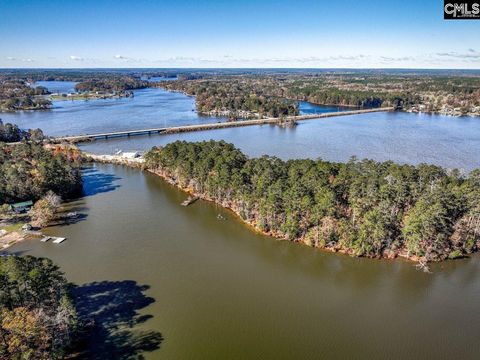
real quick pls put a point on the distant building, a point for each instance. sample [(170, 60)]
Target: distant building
[(131, 155), (21, 207)]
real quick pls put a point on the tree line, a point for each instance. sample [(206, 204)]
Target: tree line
[(18, 95), (29, 170), (116, 84), (445, 94), (37, 316), (363, 208), (233, 98), (12, 133)]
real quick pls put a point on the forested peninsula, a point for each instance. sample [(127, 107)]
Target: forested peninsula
[(257, 93), (18, 95), (277, 94), (29, 171), (362, 208)]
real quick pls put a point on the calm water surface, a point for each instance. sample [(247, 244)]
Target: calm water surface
[(57, 86), (149, 108), (215, 290), (402, 137)]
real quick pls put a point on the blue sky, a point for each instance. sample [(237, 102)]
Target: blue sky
[(142, 33)]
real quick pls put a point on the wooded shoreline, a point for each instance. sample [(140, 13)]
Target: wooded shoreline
[(251, 225), (363, 208)]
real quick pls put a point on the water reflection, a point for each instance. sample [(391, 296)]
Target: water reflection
[(224, 292)]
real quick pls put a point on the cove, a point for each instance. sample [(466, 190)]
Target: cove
[(217, 290)]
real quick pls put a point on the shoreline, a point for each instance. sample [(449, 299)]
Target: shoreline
[(226, 113), (274, 235), (139, 164)]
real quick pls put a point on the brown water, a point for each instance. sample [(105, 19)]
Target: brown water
[(219, 291)]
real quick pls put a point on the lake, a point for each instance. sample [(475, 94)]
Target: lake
[(403, 137), (149, 108), (172, 282), (57, 86), (213, 289)]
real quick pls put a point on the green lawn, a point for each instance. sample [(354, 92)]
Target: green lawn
[(14, 227)]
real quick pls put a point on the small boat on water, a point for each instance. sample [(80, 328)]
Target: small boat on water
[(72, 214), (58, 240), (45, 238)]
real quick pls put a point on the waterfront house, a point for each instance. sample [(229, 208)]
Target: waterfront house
[(131, 155), (21, 207)]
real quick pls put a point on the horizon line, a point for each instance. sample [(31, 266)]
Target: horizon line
[(234, 68)]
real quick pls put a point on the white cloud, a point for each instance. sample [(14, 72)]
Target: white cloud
[(471, 54), (76, 58), (397, 59), (128, 59)]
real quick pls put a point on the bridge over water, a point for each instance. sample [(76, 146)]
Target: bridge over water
[(210, 126)]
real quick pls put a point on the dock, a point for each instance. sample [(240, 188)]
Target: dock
[(190, 200), (58, 240), (211, 126)]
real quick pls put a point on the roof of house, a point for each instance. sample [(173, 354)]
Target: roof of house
[(22, 204)]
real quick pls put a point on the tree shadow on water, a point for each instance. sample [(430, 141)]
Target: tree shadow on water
[(63, 219), (111, 308), (96, 182)]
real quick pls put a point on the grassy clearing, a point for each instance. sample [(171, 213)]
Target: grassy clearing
[(13, 227)]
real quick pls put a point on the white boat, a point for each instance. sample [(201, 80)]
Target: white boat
[(45, 238), (59, 240)]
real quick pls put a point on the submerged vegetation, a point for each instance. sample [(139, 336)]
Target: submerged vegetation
[(363, 208)]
